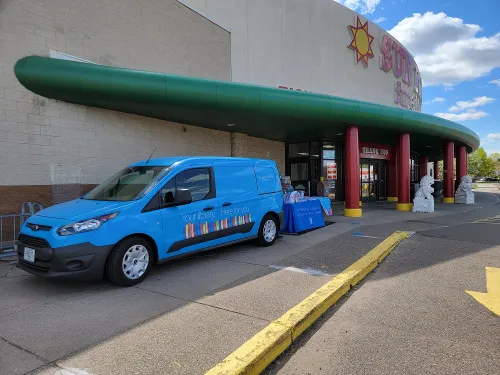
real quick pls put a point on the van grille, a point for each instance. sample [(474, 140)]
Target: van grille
[(33, 241), (34, 226)]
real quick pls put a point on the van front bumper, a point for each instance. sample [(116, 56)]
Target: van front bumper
[(82, 262)]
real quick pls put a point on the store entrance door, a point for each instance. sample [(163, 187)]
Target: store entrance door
[(304, 173), (373, 180)]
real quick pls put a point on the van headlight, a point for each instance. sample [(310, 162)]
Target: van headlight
[(86, 225)]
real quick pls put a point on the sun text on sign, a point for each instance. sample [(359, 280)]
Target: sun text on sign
[(394, 57)]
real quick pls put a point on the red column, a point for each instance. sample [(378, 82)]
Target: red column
[(392, 188), (436, 169), (461, 164), (404, 174), (448, 174), (422, 164), (352, 173)]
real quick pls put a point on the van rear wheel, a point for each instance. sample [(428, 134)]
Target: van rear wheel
[(129, 262), (268, 231)]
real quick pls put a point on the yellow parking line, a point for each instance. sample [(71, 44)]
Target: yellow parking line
[(257, 353)]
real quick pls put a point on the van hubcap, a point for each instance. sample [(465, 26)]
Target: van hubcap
[(269, 230), (135, 262)]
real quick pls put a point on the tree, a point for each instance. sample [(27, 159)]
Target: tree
[(441, 169), (480, 165), (474, 163), (496, 159)]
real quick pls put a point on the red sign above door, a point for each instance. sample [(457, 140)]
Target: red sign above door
[(374, 151)]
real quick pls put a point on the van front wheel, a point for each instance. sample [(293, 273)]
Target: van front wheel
[(268, 231), (129, 262)]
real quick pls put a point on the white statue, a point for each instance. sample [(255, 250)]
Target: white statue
[(424, 201), (464, 194)]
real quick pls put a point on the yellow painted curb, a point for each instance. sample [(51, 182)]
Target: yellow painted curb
[(257, 353), (353, 212), (404, 206), (392, 199), (448, 200)]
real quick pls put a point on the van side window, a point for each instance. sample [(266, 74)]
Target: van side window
[(168, 192), (197, 181)]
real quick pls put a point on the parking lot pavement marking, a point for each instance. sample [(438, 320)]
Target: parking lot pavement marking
[(490, 299), (488, 220), (257, 353), (308, 271), (359, 234)]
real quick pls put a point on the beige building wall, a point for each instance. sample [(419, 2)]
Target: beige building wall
[(245, 146), (52, 151), (303, 44)]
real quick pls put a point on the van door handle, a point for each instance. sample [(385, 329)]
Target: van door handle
[(209, 208), (226, 204)]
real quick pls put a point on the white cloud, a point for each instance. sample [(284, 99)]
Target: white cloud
[(470, 114), (495, 82), (380, 19), (361, 6), (477, 102), (446, 49), (491, 143), (435, 100), (493, 137)]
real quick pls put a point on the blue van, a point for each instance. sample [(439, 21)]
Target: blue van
[(153, 211)]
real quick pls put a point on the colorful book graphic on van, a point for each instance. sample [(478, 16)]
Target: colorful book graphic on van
[(224, 224), (191, 230), (204, 228)]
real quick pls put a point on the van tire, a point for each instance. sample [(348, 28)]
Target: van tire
[(268, 226), (116, 262)]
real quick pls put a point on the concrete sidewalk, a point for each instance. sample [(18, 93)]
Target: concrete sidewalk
[(190, 314)]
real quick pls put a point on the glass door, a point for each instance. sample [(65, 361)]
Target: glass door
[(303, 165), (382, 196), (365, 181), (373, 168), (369, 179), (299, 174)]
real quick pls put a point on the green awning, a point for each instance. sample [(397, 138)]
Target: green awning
[(264, 112)]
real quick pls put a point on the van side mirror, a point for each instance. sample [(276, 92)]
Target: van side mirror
[(183, 196)]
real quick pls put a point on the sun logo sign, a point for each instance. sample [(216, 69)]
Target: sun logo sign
[(361, 41)]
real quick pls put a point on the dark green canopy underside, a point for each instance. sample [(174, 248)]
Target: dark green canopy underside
[(271, 113)]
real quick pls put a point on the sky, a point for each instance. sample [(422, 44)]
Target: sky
[(456, 45)]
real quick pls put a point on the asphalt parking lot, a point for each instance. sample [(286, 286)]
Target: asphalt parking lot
[(190, 314)]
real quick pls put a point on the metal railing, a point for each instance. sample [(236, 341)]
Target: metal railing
[(11, 224)]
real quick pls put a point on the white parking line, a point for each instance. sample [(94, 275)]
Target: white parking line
[(309, 271)]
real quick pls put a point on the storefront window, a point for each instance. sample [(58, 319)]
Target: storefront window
[(315, 150), (414, 167), (315, 167), (299, 172), (330, 171), (297, 150)]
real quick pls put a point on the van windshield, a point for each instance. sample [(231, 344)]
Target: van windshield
[(129, 184)]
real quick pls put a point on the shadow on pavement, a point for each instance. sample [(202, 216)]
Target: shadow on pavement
[(234, 289)]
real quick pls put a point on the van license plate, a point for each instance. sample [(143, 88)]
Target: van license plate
[(29, 254)]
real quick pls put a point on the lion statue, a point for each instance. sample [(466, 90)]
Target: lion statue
[(425, 190), (465, 186), (464, 194), (424, 201)]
